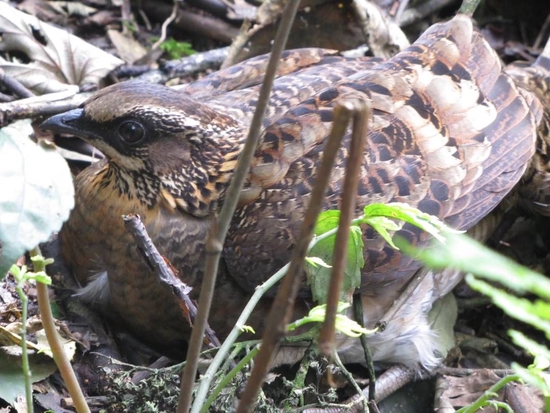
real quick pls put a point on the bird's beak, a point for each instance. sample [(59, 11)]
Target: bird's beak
[(67, 122)]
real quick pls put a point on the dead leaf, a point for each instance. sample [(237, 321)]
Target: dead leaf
[(47, 59), (72, 8), (127, 47), (465, 390)]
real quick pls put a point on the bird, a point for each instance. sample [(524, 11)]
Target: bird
[(534, 192), (451, 134)]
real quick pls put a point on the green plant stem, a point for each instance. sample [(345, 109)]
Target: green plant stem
[(24, 349), (230, 361), (228, 378), (222, 353), (468, 7), (59, 355), (483, 400), (501, 405), (361, 397), (232, 337), (358, 315)]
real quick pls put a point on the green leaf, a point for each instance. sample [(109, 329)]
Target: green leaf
[(480, 260), (539, 351), (319, 276), (36, 193), (519, 308), (327, 220), (534, 377), (342, 323), (469, 256), (40, 276), (405, 212), (316, 262), (18, 273), (177, 49), (247, 329), (382, 225)]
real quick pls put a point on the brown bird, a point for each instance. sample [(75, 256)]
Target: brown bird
[(534, 192), (451, 134)]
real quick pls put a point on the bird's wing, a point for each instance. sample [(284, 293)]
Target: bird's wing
[(251, 72), (288, 91), (534, 191), (451, 134)]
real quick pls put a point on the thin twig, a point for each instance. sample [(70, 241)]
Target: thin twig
[(266, 14), (221, 355), (283, 305), (45, 105), (464, 372), (15, 85), (246, 359), (152, 368), (221, 225), (60, 357), (361, 111), (165, 273), (126, 15), (208, 27), (165, 24), (488, 394), (349, 377), (542, 34), (402, 5)]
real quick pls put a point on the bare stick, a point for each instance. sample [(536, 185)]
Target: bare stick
[(165, 273), (266, 14), (216, 240), (45, 105), (361, 110)]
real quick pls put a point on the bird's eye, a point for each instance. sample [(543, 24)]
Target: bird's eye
[(131, 131)]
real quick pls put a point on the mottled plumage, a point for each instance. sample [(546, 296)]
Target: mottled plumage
[(451, 134), (534, 193)]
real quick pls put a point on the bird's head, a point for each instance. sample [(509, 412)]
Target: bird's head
[(149, 129)]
